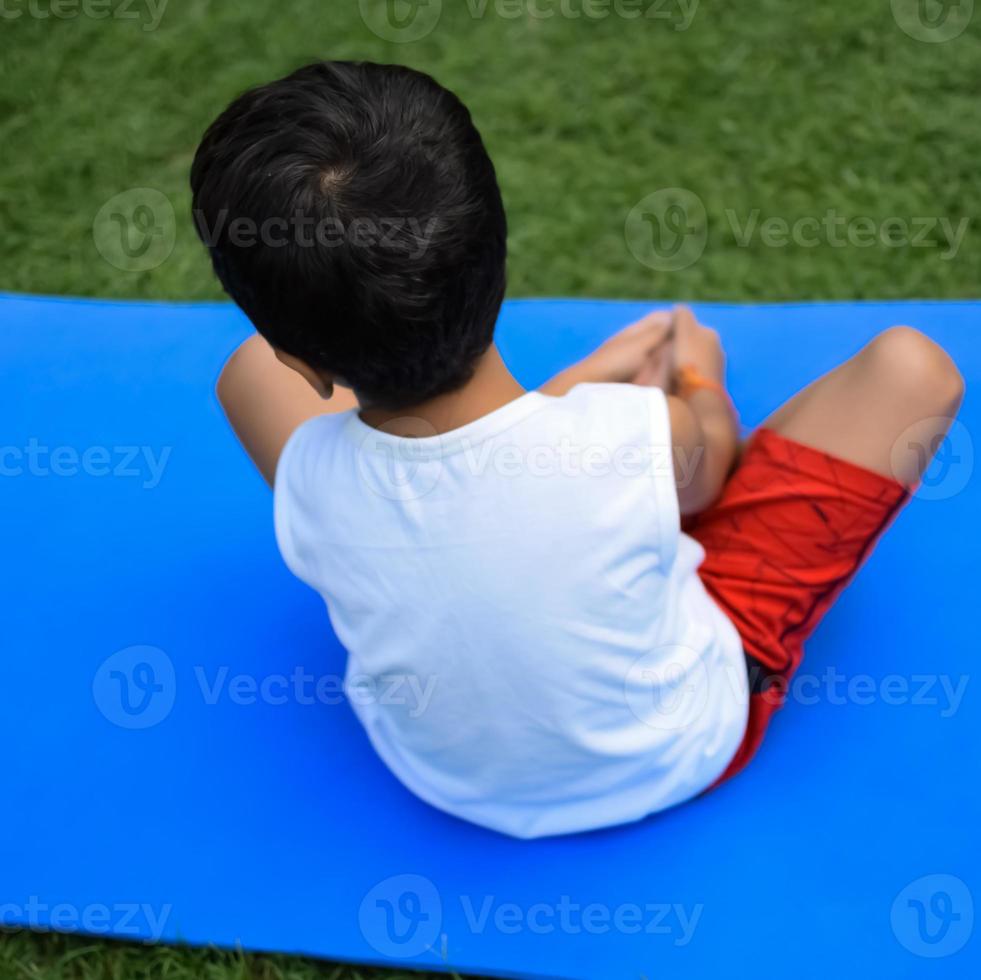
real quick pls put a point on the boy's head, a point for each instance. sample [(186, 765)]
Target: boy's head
[(352, 212)]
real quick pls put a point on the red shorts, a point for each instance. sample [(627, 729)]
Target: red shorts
[(791, 528)]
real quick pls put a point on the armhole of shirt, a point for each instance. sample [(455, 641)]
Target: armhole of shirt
[(286, 485), (662, 473)]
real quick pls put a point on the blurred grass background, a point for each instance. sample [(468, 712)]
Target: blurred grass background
[(30, 956), (782, 108)]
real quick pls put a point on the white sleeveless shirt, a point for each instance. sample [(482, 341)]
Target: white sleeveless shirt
[(530, 646)]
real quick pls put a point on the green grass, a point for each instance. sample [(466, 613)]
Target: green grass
[(787, 108), (784, 108), (30, 956)]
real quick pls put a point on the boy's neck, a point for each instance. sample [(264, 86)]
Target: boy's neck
[(491, 387)]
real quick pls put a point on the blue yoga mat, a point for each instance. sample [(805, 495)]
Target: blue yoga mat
[(179, 764)]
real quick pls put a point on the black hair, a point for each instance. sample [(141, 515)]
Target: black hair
[(352, 212)]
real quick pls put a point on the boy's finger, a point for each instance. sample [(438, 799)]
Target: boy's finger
[(658, 330), (658, 320), (684, 319), (660, 340)]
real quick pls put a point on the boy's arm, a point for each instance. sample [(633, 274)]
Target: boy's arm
[(704, 433), (705, 440), (704, 429), (638, 354), (265, 401)]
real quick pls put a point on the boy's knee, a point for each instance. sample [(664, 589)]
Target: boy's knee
[(910, 362)]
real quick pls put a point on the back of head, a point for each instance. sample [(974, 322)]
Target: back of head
[(352, 212)]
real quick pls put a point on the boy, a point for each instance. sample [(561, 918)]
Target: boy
[(518, 555)]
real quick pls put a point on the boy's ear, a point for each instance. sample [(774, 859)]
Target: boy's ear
[(322, 382)]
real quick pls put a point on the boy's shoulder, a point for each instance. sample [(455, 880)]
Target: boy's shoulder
[(306, 440), (614, 408)]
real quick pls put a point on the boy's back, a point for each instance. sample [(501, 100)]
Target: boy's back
[(529, 644)]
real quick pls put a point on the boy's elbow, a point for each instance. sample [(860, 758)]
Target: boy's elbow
[(698, 496)]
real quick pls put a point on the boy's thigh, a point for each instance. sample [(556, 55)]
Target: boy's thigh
[(790, 530)]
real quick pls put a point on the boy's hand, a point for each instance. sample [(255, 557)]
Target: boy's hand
[(698, 346), (639, 354)]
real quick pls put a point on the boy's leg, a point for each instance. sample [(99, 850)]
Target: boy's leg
[(814, 490), (901, 386)]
